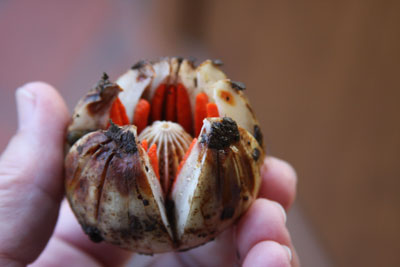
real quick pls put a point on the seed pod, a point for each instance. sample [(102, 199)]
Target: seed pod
[(205, 185)]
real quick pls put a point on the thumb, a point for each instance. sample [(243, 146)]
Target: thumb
[(31, 183)]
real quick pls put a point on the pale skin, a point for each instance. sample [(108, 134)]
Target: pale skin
[(33, 213)]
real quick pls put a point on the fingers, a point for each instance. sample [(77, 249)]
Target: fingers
[(69, 233), (268, 253), (278, 182), (262, 228), (59, 253), (38, 144), (264, 220), (31, 183)]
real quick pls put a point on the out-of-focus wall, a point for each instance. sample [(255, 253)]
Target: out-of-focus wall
[(322, 77)]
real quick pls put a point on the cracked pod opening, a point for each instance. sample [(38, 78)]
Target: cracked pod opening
[(163, 158)]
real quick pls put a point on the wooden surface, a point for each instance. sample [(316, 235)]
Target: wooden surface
[(322, 77)]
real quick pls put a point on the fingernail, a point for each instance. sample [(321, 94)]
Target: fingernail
[(25, 106), (282, 210), (289, 252)]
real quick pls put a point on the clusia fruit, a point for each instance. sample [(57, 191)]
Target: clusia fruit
[(165, 158)]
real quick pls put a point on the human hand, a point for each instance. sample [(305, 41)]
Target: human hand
[(31, 190)]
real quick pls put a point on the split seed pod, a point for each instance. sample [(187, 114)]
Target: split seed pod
[(165, 158)]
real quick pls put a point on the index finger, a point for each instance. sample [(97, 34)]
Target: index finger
[(279, 181)]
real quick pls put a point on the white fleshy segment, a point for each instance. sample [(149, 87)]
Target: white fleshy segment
[(158, 193), (134, 83), (208, 74), (185, 187), (162, 70), (85, 120), (187, 76), (173, 77), (236, 108)]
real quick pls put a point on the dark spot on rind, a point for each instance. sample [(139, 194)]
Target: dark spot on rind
[(238, 85), (138, 65), (256, 154), (195, 82), (134, 223), (227, 213), (217, 62), (245, 198), (104, 82), (124, 139), (81, 190), (258, 134), (105, 76), (147, 168), (150, 225), (222, 134), (93, 233), (80, 149), (145, 202)]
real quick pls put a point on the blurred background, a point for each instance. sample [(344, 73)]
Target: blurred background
[(322, 76)]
